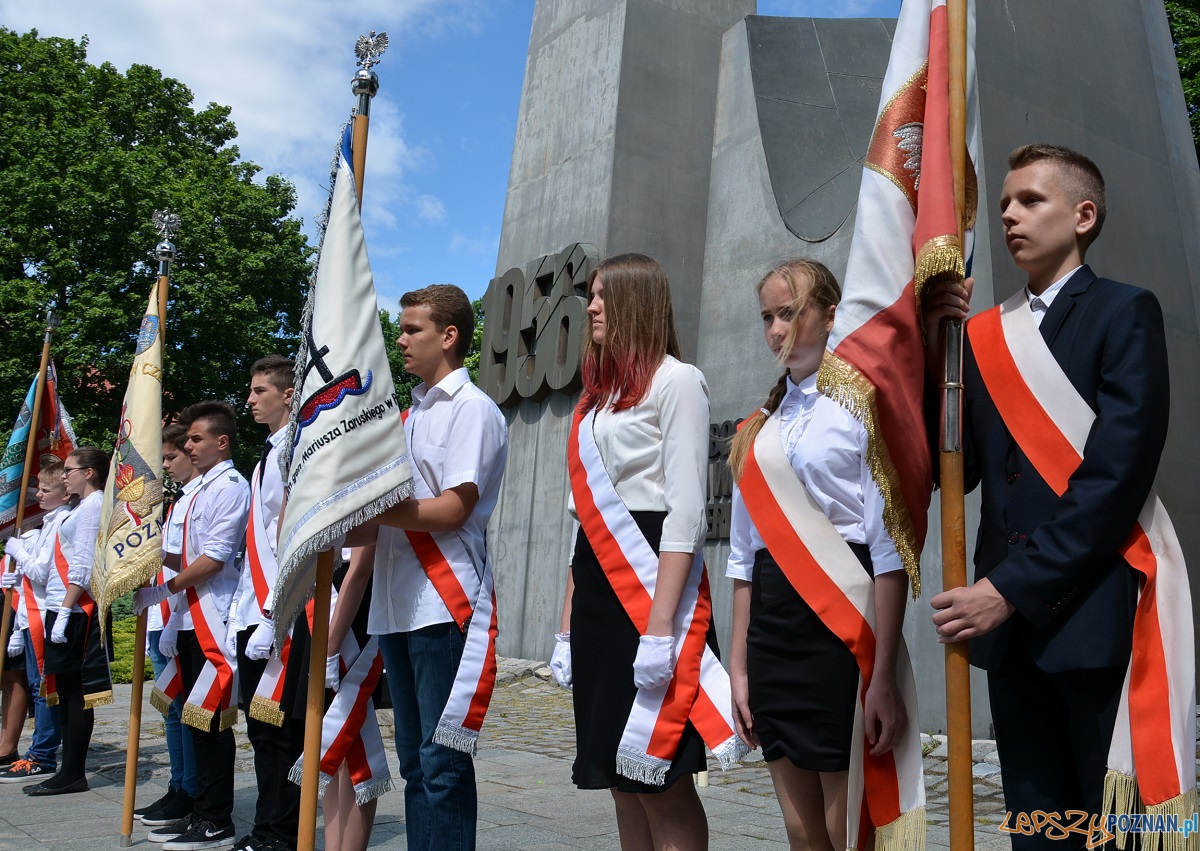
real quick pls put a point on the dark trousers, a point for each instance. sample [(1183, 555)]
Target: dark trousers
[(214, 748), (276, 749), (1052, 734)]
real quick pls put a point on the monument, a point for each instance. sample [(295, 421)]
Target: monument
[(720, 142)]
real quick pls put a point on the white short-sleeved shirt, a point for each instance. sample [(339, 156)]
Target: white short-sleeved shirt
[(172, 543), (32, 541), (216, 526), (456, 435), (656, 453), (246, 611), (827, 448)]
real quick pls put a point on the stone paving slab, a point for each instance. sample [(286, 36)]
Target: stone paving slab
[(526, 800)]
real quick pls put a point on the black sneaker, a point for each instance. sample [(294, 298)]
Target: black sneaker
[(172, 830), (24, 770), (178, 807), (203, 834), (250, 843), (159, 804)]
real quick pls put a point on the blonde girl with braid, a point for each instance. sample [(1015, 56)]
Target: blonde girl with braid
[(794, 682)]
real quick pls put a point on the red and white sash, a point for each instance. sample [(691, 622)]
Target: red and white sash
[(88, 605), (212, 693), (823, 570), (264, 568), (699, 690), (350, 730), (1152, 760), (168, 685), (451, 570)]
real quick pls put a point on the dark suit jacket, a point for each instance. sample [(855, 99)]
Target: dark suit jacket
[(1057, 559)]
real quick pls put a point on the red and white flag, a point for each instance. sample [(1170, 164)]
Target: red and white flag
[(905, 232)]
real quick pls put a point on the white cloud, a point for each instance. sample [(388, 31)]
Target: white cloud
[(283, 68), (480, 246), (431, 210)]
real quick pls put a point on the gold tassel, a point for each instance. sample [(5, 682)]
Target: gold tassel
[(160, 701), (197, 716), (228, 718), (100, 698), (906, 833), (266, 710), (939, 256), (1120, 798), (845, 385), (1181, 808)]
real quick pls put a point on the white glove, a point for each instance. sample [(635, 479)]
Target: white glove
[(58, 635), (560, 659), (144, 598), (168, 639), (10, 578), (655, 661), (258, 647), (16, 548), (16, 643), (333, 671)]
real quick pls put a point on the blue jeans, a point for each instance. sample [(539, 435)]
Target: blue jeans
[(440, 802), (46, 732), (179, 746)]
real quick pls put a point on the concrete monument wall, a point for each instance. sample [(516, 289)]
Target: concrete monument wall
[(642, 128)]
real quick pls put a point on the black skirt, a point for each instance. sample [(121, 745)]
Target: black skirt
[(83, 652), (12, 663), (803, 679), (604, 642)]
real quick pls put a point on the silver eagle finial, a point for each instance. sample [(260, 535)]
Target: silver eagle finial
[(166, 223), (369, 48)]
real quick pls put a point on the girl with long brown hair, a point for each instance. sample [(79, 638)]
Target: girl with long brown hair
[(644, 417), (794, 679)]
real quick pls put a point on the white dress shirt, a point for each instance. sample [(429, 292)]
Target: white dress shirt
[(172, 543), (32, 541), (246, 611), (216, 525), (456, 435), (656, 454), (1040, 304), (827, 448), (77, 537)]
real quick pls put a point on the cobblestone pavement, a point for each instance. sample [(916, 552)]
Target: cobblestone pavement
[(523, 774)]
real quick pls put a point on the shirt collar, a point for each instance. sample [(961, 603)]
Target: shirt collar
[(277, 437), (1047, 297), (216, 471), (447, 387)]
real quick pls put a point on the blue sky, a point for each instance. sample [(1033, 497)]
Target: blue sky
[(442, 125)]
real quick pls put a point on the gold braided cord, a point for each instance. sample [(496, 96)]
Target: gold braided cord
[(266, 710), (845, 385)]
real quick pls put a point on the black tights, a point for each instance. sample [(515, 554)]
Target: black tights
[(76, 723)]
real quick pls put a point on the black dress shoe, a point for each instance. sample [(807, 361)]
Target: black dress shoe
[(41, 789)]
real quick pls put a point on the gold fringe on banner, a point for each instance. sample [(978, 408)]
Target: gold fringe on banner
[(941, 255), (266, 710), (845, 385), (906, 833)]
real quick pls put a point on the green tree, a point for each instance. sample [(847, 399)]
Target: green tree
[(1184, 18), (87, 154)]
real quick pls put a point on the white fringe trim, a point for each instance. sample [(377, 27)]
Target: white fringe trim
[(456, 737), (369, 790), (642, 767), (730, 752)]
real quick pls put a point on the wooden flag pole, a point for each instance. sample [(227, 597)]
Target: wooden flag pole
[(365, 84), (30, 450), (954, 536), (165, 252)]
